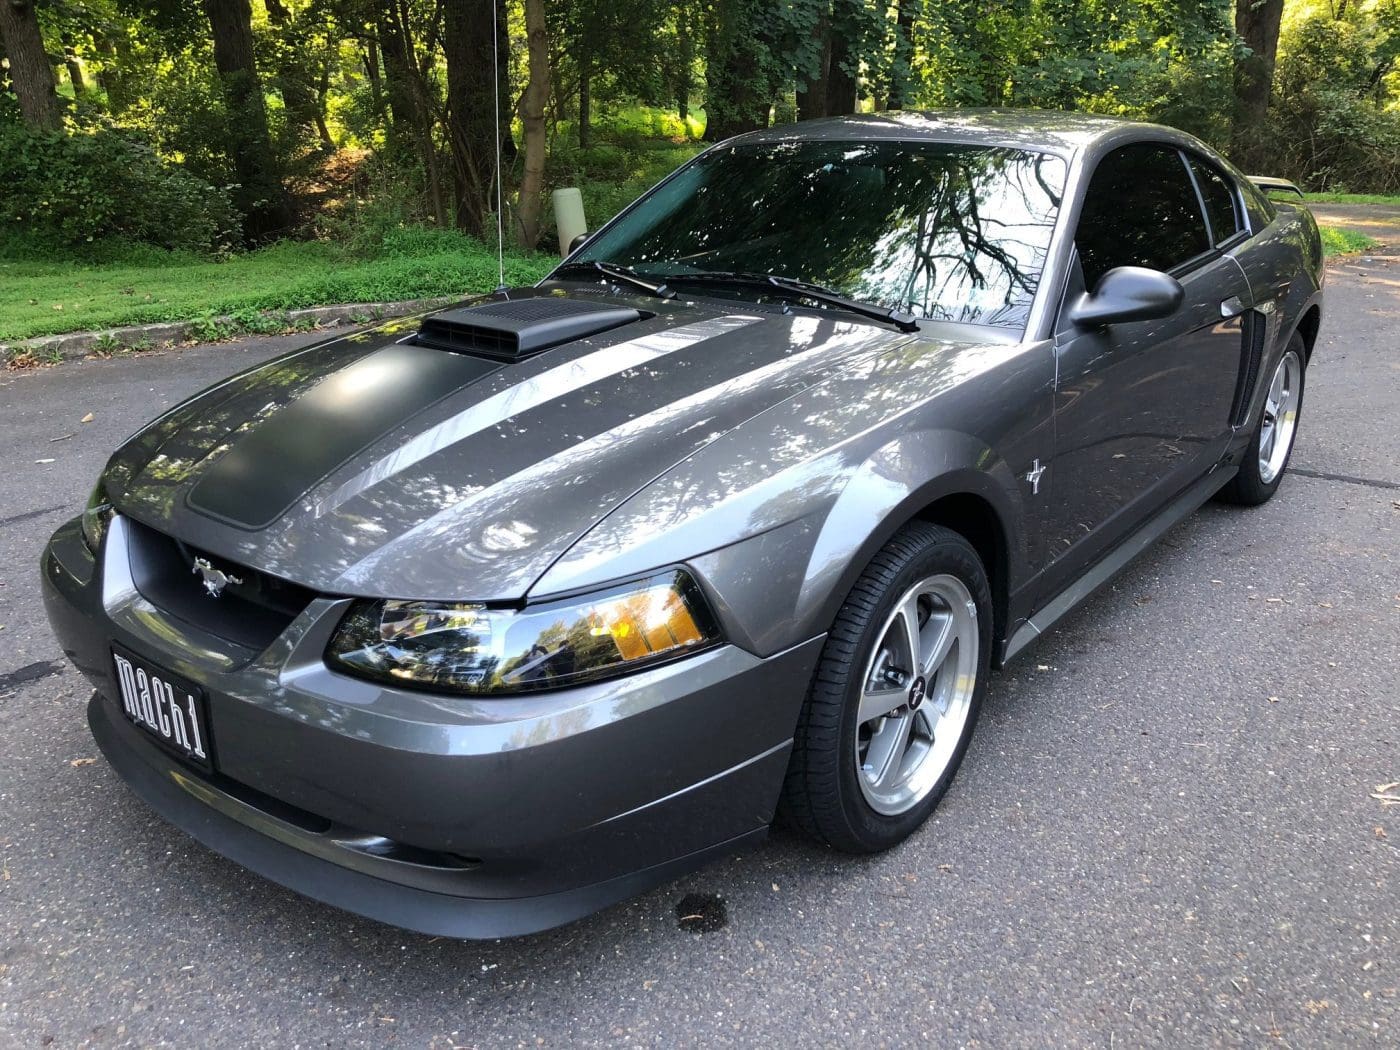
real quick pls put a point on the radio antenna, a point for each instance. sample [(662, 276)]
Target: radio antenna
[(500, 221)]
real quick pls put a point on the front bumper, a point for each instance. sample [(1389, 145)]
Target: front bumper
[(455, 816)]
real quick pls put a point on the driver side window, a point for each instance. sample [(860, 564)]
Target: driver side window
[(1140, 209)]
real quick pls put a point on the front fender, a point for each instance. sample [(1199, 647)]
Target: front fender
[(786, 584), (890, 488)]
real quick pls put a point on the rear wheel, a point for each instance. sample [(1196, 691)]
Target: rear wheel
[(1266, 458), (896, 694)]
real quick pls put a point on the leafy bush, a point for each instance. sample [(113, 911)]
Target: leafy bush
[(72, 190), (1333, 123)]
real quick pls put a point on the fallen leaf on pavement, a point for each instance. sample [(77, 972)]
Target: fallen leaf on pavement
[(82, 762)]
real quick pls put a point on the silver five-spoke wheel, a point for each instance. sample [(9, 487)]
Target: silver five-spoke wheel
[(917, 693), (1280, 417)]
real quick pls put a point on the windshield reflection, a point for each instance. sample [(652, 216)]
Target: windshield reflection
[(946, 232)]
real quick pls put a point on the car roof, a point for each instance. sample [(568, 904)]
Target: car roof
[(1037, 129)]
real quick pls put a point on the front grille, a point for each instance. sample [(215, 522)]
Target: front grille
[(251, 611)]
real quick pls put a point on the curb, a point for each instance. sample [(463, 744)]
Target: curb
[(77, 345)]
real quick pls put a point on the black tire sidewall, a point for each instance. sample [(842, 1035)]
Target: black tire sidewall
[(939, 552)]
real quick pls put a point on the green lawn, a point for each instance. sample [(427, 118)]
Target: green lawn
[(39, 297), (1336, 241), (1353, 198)]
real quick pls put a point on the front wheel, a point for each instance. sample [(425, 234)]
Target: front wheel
[(1266, 458), (896, 694)]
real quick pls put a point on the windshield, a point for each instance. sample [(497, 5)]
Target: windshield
[(945, 232)]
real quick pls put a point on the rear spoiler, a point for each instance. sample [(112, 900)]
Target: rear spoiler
[(1269, 184)]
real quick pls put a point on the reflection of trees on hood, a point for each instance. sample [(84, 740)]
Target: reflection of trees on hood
[(955, 233)]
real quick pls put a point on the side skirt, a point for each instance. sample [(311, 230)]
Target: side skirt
[(1175, 512)]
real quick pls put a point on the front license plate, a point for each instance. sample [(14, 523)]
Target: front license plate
[(165, 706)]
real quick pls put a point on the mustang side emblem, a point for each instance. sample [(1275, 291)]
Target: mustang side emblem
[(1033, 476), (215, 580)]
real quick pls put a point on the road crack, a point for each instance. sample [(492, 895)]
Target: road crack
[(1346, 479)]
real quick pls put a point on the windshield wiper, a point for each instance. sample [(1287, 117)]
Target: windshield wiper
[(905, 322), (621, 275)]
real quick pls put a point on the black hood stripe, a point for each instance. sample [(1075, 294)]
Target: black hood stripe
[(266, 471), (530, 394)]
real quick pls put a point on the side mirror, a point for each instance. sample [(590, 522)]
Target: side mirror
[(1128, 293), (577, 243)]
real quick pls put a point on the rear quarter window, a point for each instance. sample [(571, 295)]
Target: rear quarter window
[(1218, 193)]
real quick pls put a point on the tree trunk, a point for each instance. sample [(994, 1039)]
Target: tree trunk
[(109, 74), (466, 44), (585, 96), (31, 76), (260, 196), (840, 78), (398, 74), (811, 98), (75, 68), (323, 88), (902, 74), (1257, 25), (508, 150), (532, 105), (840, 82), (293, 83), (684, 59), (375, 76)]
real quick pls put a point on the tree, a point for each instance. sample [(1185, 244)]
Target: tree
[(1257, 25), (841, 86), (532, 104), (31, 76), (742, 75), (901, 67), (294, 79), (260, 196), (471, 108), (411, 95)]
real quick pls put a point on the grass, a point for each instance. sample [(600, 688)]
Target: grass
[(47, 297), (1337, 241), (1353, 198)]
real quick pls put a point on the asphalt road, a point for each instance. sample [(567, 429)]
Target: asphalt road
[(1164, 833)]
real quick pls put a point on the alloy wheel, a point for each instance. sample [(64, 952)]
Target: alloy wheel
[(1280, 421), (916, 694)]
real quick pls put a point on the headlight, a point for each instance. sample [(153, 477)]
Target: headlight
[(459, 647), (96, 515)]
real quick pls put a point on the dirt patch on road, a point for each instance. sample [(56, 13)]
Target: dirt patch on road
[(1379, 221)]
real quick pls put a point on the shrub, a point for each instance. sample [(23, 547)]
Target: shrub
[(68, 190)]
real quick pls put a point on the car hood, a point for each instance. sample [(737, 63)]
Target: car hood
[(374, 466)]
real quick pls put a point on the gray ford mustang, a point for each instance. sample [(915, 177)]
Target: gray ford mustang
[(477, 623)]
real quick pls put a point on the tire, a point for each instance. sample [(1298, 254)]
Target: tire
[(849, 784), (1265, 464)]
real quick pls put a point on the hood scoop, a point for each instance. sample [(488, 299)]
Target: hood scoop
[(519, 328)]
